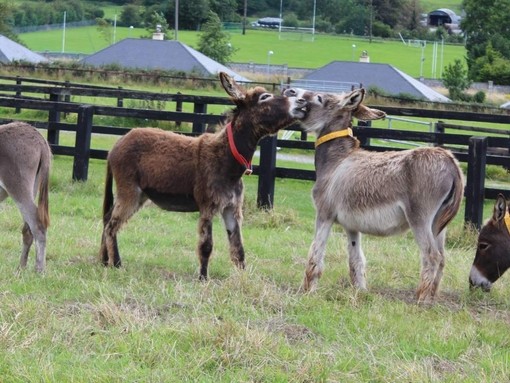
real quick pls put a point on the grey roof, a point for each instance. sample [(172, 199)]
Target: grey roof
[(383, 76), (158, 54), (12, 51), (445, 11)]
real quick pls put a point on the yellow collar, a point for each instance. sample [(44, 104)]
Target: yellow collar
[(333, 135), (507, 221)]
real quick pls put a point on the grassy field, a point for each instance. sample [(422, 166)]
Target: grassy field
[(431, 5), (153, 321), (255, 45)]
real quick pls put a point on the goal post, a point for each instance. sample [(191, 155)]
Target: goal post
[(296, 33)]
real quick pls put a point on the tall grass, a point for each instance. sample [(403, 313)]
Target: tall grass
[(153, 321)]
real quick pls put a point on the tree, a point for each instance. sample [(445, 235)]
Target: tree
[(485, 23), (130, 16), (493, 67), (191, 13), (6, 21), (157, 21), (213, 42), (105, 29), (225, 9), (455, 80)]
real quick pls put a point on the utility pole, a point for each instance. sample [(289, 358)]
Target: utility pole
[(371, 17), (245, 12), (176, 19)]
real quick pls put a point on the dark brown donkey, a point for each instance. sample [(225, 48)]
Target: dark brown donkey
[(184, 174), (25, 160), (378, 193), (493, 251)]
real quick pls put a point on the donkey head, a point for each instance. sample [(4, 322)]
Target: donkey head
[(327, 108), (493, 250), (262, 111)]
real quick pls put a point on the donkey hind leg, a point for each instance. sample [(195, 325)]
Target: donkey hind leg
[(205, 244), (103, 252), (28, 239), (32, 230), (125, 206), (432, 262), (357, 260), (232, 217), (440, 240), (316, 254)]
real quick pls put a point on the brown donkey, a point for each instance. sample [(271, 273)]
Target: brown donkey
[(25, 160), (492, 257), (378, 193), (184, 174)]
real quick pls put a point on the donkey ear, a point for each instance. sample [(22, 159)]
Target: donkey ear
[(352, 100), (500, 208), (231, 87), (365, 113)]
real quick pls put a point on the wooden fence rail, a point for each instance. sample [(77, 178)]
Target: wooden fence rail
[(476, 151)]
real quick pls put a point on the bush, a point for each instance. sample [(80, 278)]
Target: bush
[(381, 29), (291, 20), (322, 25), (455, 80), (479, 97), (130, 16)]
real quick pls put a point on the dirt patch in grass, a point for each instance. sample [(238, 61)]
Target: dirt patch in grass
[(290, 331)]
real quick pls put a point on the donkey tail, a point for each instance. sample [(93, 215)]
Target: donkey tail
[(108, 194), (44, 181), (451, 203)]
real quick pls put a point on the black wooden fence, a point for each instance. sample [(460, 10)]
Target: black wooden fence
[(475, 150)]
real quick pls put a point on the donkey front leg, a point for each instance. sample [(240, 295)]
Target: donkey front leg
[(316, 254), (205, 244), (232, 217), (357, 260)]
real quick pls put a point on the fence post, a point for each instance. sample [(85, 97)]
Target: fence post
[(18, 93), (199, 127), (82, 146), (67, 95), (475, 184), (439, 128), (267, 169), (364, 141), (120, 100), (53, 119), (178, 108)]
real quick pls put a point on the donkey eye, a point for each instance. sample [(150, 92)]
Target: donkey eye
[(291, 92), (319, 98), (483, 246), (265, 96)]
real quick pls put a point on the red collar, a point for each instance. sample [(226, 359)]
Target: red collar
[(238, 156)]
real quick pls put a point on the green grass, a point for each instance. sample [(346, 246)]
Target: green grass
[(153, 321), (254, 45), (432, 5)]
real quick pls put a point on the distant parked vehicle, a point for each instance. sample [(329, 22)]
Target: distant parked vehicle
[(270, 22)]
